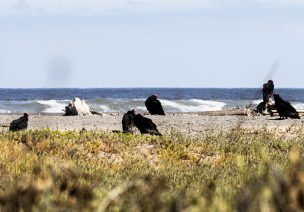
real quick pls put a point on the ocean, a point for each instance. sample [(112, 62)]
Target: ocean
[(124, 99)]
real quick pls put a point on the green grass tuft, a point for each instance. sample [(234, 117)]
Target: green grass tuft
[(239, 170)]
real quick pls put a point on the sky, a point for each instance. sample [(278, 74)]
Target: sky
[(151, 43)]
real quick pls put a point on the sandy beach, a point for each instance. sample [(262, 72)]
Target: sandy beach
[(192, 124)]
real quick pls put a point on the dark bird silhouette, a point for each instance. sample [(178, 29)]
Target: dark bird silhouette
[(128, 121), (284, 108), (145, 125), (267, 94), (267, 91), (154, 106), (20, 123)]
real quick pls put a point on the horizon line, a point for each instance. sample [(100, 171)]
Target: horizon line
[(24, 88)]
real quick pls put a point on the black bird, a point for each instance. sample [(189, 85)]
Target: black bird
[(145, 125), (284, 108), (267, 91), (154, 106), (20, 123), (128, 121)]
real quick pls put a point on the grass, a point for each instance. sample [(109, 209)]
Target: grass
[(241, 170)]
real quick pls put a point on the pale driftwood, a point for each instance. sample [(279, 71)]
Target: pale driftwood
[(77, 107), (96, 113), (234, 112)]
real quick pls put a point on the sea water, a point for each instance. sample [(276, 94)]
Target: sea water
[(124, 99)]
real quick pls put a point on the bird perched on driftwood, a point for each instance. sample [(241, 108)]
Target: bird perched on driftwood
[(20, 123), (265, 106), (154, 106), (145, 125), (267, 91), (284, 108), (128, 121)]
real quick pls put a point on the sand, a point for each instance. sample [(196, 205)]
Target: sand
[(192, 124)]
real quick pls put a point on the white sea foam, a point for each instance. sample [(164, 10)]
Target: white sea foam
[(193, 105), (104, 108), (256, 102), (299, 106), (53, 106), (123, 105), (141, 108), (4, 111)]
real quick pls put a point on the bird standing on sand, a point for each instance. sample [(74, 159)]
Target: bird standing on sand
[(154, 106), (20, 123), (284, 108), (145, 125), (128, 121), (267, 93)]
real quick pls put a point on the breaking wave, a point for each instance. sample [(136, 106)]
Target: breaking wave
[(52, 106), (104, 108), (257, 101), (299, 106), (110, 105), (4, 111), (123, 105), (192, 105)]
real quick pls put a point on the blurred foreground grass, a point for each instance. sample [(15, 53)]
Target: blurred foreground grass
[(241, 170)]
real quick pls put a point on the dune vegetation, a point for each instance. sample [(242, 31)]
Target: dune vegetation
[(240, 170)]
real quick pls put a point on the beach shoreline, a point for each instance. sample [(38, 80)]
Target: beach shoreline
[(185, 123)]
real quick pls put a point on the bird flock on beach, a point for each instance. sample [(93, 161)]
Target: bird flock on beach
[(145, 125)]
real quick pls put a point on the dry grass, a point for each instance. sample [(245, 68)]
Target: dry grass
[(243, 170)]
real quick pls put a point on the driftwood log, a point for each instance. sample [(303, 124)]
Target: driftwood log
[(237, 112), (77, 107), (234, 112)]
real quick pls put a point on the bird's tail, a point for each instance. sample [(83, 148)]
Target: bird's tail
[(154, 132), (295, 116)]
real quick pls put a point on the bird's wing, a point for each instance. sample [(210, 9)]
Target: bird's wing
[(286, 106), (146, 102), (17, 123), (160, 107), (159, 104), (13, 124), (153, 129), (292, 109), (148, 105), (152, 125), (23, 125)]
